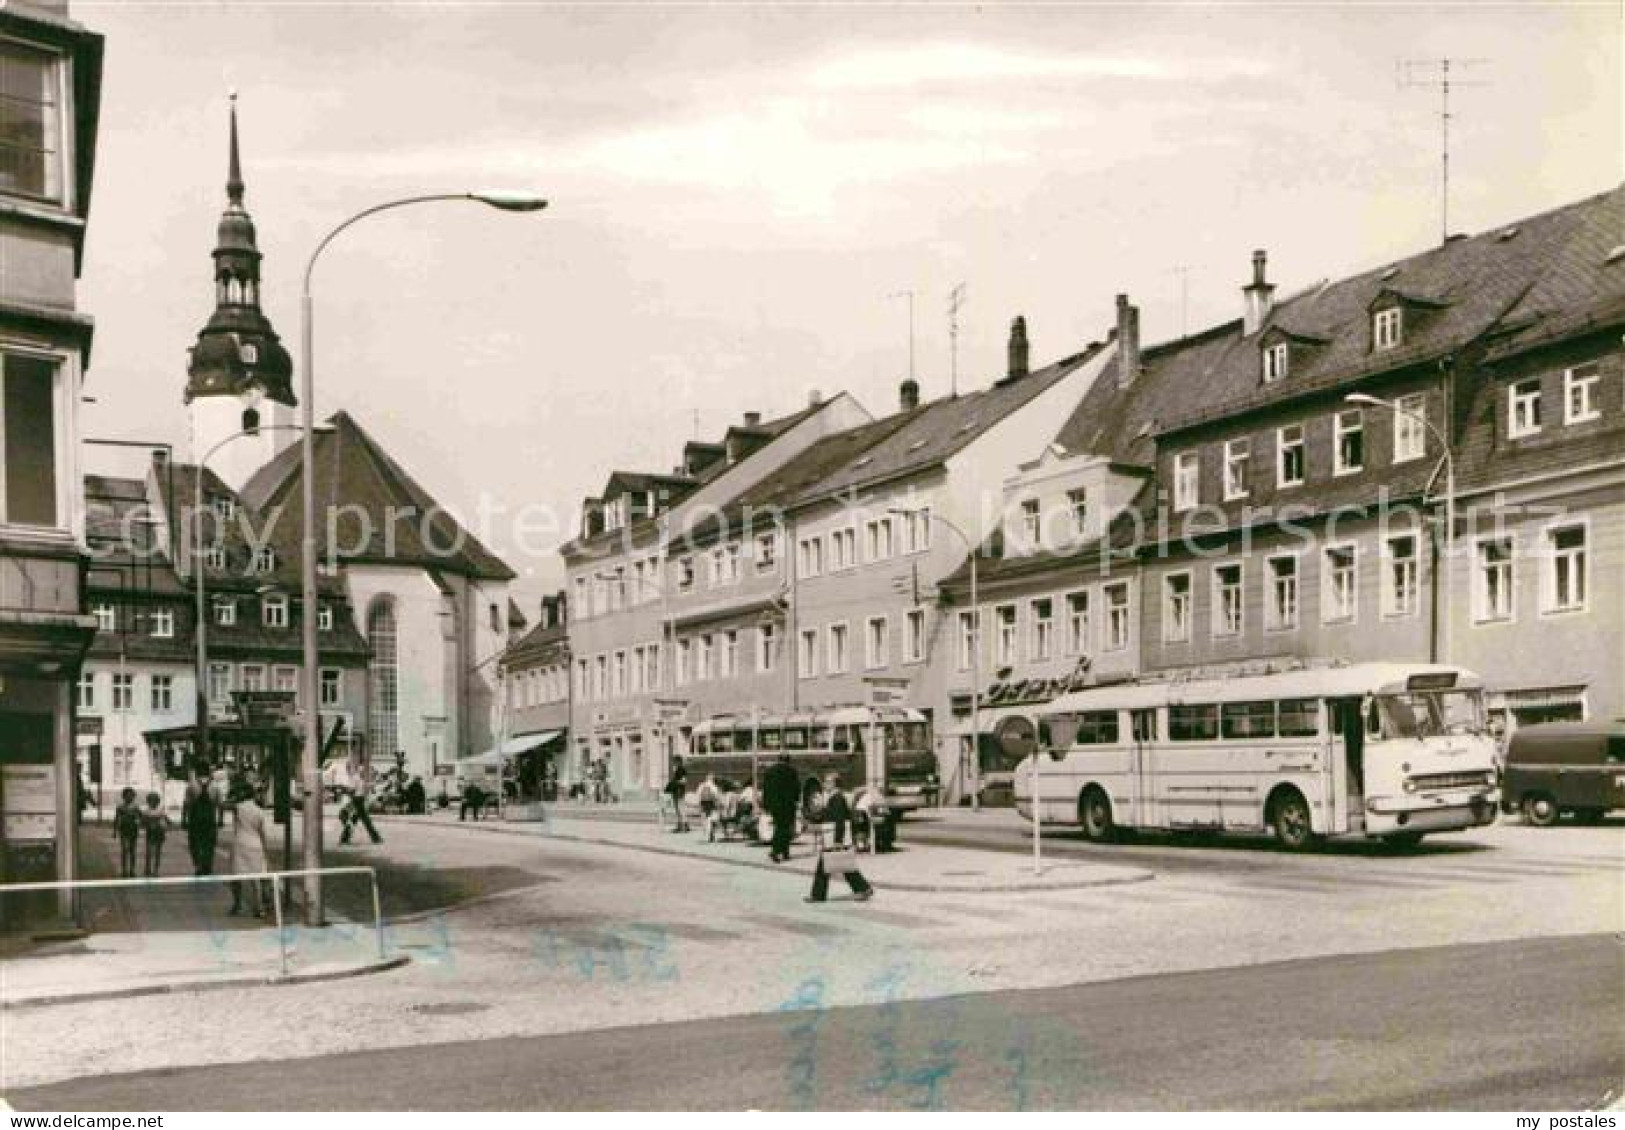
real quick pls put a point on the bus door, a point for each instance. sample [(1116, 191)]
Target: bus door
[(1143, 735), (1346, 725)]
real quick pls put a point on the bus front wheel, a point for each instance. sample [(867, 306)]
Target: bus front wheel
[(1095, 814), (1289, 816)]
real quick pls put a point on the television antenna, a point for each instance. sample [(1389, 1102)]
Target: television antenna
[(1443, 75), (956, 299)]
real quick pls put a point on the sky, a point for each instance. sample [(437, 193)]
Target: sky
[(741, 197)]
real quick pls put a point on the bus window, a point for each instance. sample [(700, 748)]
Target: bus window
[(702, 743), (770, 740), (1058, 731), (820, 737), (841, 743), (857, 738), (795, 737), (1300, 718), (1188, 723), (1247, 719), (915, 736), (1097, 727), (722, 741), (744, 740)]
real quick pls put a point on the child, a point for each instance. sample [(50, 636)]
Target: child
[(127, 830), (157, 825), (708, 797)]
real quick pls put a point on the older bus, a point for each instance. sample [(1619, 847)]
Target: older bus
[(1383, 750), (881, 748)]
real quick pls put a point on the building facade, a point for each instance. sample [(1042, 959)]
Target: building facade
[(643, 561), (48, 133)]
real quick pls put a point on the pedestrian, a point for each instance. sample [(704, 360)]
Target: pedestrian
[(873, 825), (202, 830), (779, 795), (156, 824), (248, 848), (127, 831), (473, 801), (355, 814), (417, 799), (837, 858), (676, 787), (709, 796)]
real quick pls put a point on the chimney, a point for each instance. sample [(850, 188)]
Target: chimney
[(753, 419), (1018, 349), (1258, 298), (814, 398), (1128, 341), (908, 395)]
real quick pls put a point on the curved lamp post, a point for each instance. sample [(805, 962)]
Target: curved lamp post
[(1441, 616), (310, 755)]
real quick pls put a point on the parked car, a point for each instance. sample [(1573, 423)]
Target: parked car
[(1558, 768)]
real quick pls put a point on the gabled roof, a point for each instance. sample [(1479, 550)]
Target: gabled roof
[(384, 516), (1536, 275)]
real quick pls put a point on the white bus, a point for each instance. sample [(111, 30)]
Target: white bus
[(1387, 750)]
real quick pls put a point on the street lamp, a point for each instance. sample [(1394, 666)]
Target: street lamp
[(975, 651), (310, 755), (1441, 617), (199, 580)]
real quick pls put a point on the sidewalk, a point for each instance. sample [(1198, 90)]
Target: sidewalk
[(160, 939), (912, 867)]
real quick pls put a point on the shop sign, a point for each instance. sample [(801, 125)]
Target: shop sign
[(887, 691), (1008, 690), (88, 727), (28, 788)]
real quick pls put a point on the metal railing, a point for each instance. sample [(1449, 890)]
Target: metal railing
[(276, 878)]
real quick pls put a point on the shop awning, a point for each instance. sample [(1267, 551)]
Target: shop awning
[(513, 747)]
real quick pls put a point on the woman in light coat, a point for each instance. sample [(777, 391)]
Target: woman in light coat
[(248, 856)]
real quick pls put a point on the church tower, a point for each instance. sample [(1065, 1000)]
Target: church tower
[(239, 376)]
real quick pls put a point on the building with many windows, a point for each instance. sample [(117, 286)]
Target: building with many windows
[(141, 677), (49, 107)]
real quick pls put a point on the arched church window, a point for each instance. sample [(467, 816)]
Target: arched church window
[(383, 708)]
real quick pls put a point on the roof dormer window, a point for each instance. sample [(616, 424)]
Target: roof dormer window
[(1275, 362), (1387, 327)]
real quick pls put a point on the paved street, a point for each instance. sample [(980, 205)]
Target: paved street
[(558, 951), (1521, 1025)]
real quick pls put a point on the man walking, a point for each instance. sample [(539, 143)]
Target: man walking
[(676, 788), (200, 815), (779, 796)]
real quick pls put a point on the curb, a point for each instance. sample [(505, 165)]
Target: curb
[(382, 965), (1130, 875)]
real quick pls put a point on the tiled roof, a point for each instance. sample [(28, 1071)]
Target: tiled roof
[(537, 645), (1543, 272), (897, 445), (356, 476)]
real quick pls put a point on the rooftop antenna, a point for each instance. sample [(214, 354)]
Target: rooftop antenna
[(1436, 74), (956, 299), (908, 294)]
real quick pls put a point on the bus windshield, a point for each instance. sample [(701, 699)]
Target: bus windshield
[(911, 736), (1427, 714)]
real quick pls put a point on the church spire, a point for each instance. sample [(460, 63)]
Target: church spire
[(238, 352), (234, 176)]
